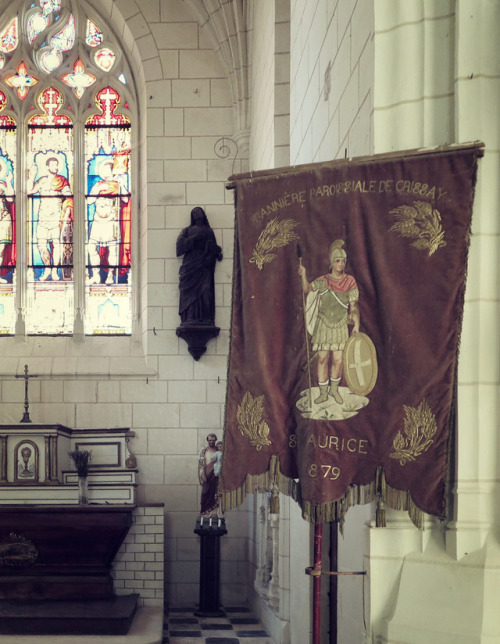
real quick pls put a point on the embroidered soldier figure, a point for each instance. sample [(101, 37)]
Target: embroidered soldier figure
[(332, 303)]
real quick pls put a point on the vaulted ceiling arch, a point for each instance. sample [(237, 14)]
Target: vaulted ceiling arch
[(224, 22)]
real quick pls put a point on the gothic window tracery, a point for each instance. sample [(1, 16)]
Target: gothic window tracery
[(66, 215)]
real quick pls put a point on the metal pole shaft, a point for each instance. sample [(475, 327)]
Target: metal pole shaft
[(307, 344), (334, 550), (318, 542)]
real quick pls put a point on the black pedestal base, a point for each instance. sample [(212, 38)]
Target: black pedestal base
[(210, 531), (111, 616), (197, 336)]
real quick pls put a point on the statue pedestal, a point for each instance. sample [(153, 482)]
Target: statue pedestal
[(210, 531), (197, 336)]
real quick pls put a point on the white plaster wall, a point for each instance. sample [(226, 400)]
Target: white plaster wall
[(149, 382)]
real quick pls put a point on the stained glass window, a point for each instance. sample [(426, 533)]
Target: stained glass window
[(50, 161), (52, 55), (7, 219), (104, 58), (21, 81), (94, 35), (36, 24), (38, 20), (70, 208), (79, 80), (109, 208), (9, 37)]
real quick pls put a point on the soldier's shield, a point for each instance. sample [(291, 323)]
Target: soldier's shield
[(360, 364)]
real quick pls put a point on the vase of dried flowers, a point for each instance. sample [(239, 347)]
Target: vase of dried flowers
[(81, 459), (83, 490)]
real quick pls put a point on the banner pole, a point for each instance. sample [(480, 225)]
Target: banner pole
[(334, 566), (318, 542), (299, 256), (372, 158)]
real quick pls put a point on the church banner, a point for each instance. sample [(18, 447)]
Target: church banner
[(348, 294)]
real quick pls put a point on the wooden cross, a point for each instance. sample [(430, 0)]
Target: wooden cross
[(26, 376)]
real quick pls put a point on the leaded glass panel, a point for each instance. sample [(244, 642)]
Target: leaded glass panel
[(50, 162), (94, 35), (79, 80), (109, 210), (7, 220), (9, 37), (105, 58)]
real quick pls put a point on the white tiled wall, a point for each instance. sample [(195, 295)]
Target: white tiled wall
[(139, 564)]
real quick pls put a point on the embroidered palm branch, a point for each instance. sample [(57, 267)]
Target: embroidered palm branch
[(250, 422), (420, 221), (420, 428), (275, 235)]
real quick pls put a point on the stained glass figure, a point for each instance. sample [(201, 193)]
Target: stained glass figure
[(9, 37), (7, 219), (22, 81), (79, 80), (107, 154), (93, 35), (104, 58), (50, 222)]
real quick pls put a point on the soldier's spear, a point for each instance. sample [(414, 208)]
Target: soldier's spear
[(299, 256)]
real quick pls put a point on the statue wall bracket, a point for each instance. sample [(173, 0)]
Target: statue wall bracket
[(197, 336)]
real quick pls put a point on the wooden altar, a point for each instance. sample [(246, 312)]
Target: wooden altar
[(75, 547)]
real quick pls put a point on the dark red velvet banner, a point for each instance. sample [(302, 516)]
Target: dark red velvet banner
[(347, 306)]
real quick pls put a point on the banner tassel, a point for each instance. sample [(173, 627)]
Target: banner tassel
[(275, 493), (380, 521), (381, 487), (377, 490)]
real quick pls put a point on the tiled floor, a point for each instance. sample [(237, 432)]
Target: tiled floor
[(236, 626)]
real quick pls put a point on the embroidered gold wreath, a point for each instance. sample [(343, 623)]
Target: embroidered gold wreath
[(250, 422), (422, 222), (417, 437), (275, 235)]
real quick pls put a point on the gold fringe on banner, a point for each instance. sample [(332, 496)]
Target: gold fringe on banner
[(271, 481), (334, 511)]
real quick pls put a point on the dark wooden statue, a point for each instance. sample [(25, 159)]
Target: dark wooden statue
[(199, 251)]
